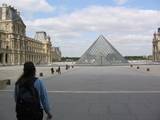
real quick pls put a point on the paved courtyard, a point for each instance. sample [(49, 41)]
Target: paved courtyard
[(97, 93)]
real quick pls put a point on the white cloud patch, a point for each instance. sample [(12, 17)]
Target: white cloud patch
[(120, 2), (125, 28), (30, 5)]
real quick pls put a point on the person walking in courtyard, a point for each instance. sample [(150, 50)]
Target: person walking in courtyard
[(66, 67), (52, 70), (59, 70), (31, 96)]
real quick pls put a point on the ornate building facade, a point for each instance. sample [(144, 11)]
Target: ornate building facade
[(16, 48), (156, 46)]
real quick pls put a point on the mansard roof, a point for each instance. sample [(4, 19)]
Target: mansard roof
[(11, 14), (40, 35)]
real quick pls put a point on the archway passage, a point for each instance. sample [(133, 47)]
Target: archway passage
[(1, 58), (6, 58)]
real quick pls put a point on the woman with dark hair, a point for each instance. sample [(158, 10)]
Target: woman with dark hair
[(31, 95)]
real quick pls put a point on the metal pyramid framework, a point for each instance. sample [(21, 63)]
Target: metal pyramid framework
[(102, 52)]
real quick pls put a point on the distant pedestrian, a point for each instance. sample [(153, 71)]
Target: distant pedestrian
[(66, 67), (59, 70), (31, 96), (52, 70)]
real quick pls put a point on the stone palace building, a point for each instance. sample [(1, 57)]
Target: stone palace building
[(16, 47), (156, 46)]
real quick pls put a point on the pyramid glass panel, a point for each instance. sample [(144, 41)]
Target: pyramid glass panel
[(101, 52)]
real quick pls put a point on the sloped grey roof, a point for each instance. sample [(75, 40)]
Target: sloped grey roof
[(11, 14), (40, 35), (101, 52)]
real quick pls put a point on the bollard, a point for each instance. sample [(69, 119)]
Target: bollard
[(41, 74), (148, 69), (137, 67)]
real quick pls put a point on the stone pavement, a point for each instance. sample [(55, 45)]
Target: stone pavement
[(13, 72), (107, 106), (94, 106), (97, 93)]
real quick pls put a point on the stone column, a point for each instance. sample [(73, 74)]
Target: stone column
[(18, 60), (4, 11), (4, 58), (32, 58), (9, 58)]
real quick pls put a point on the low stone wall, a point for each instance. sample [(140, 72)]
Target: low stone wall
[(4, 83)]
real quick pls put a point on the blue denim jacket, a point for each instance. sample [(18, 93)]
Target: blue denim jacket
[(39, 85)]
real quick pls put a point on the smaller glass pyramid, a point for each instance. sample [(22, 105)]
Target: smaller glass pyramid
[(102, 52)]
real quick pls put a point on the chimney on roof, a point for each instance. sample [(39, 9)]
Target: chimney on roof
[(18, 13), (4, 11), (4, 5), (48, 37)]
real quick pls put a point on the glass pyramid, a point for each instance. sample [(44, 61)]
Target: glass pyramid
[(101, 52)]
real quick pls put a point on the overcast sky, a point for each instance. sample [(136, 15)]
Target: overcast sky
[(75, 24)]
